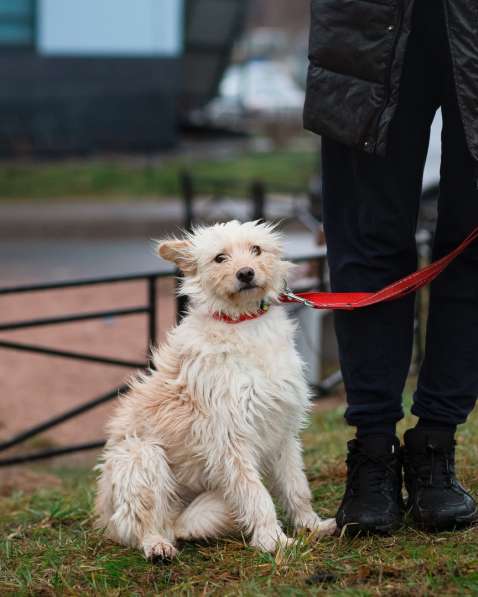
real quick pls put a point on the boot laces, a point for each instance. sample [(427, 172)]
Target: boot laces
[(436, 468), (377, 470)]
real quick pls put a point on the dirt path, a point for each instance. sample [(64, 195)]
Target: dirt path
[(35, 387)]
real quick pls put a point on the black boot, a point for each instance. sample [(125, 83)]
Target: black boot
[(436, 500), (372, 502)]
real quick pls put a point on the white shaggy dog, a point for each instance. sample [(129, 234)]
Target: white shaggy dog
[(191, 443)]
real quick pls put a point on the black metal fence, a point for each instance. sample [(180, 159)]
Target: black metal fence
[(149, 309)]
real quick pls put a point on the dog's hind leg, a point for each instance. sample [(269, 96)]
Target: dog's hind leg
[(137, 500), (207, 517)]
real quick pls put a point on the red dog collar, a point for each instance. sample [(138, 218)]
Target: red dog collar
[(264, 307)]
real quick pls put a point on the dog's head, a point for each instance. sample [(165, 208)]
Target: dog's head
[(229, 267)]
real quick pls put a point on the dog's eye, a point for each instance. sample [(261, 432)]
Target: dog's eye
[(256, 250), (220, 258)]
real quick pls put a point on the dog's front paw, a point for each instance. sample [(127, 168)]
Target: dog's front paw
[(270, 539), (313, 523), (158, 548)]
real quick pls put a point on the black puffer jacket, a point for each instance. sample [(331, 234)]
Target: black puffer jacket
[(357, 50)]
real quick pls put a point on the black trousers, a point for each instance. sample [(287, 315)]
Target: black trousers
[(370, 215)]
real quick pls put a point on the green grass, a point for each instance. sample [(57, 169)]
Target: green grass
[(125, 178), (48, 545)]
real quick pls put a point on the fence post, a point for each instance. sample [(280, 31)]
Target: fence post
[(420, 321), (315, 197), (258, 198), (187, 189), (152, 313), (181, 301), (418, 329)]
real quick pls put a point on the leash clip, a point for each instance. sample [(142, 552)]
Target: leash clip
[(287, 292)]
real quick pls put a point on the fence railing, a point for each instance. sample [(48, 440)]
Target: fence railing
[(149, 309)]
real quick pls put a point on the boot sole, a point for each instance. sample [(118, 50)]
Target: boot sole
[(356, 529), (459, 523)]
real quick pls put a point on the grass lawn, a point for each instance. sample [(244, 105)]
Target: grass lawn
[(129, 178), (48, 546)]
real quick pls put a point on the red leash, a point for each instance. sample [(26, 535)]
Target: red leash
[(356, 300)]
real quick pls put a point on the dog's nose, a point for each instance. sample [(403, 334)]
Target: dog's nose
[(245, 274)]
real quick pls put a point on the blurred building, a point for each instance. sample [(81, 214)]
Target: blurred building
[(82, 75)]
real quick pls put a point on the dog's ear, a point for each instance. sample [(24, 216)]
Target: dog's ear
[(179, 252)]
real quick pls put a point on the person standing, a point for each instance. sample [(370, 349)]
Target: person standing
[(379, 70)]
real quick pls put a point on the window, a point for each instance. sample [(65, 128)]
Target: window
[(110, 27), (16, 23)]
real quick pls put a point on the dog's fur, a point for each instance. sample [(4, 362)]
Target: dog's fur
[(192, 441)]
